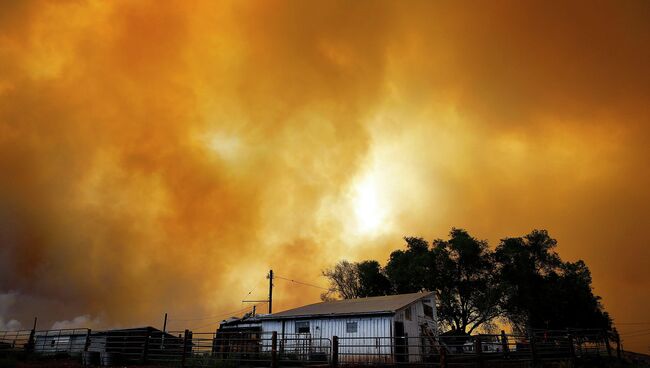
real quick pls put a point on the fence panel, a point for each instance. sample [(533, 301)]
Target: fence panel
[(15, 340), (266, 349)]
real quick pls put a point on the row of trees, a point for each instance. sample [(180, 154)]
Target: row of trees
[(522, 281)]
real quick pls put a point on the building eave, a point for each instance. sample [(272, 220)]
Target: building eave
[(327, 316)]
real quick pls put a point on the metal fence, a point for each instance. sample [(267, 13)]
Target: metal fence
[(270, 349), (15, 340)]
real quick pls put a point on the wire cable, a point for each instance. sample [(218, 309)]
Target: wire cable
[(225, 314), (635, 332), (208, 317), (300, 282), (623, 338)]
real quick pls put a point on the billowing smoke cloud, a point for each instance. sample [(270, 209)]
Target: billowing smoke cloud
[(6, 302), (160, 157), (85, 321)]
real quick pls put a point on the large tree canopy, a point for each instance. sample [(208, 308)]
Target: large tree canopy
[(540, 290), (411, 270), (356, 280), (468, 292), (523, 280)]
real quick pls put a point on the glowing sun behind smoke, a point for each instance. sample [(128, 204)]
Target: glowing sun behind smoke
[(369, 212), (227, 147)]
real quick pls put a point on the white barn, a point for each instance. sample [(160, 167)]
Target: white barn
[(61, 341), (389, 328)]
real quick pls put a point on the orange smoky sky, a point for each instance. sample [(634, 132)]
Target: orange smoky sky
[(161, 156)]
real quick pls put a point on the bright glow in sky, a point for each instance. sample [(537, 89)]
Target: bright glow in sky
[(145, 144), (368, 208), (227, 147)]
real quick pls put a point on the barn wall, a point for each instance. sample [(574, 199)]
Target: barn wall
[(59, 344), (412, 327), (97, 343), (373, 333), (373, 340)]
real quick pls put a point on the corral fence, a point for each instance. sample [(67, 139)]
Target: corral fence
[(148, 346)]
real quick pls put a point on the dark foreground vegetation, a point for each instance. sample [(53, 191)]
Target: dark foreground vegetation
[(630, 360)]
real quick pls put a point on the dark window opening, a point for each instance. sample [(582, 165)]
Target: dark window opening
[(351, 327), (407, 313), (302, 327), (428, 310)]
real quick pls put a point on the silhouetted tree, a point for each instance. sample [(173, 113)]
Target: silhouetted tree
[(356, 280), (459, 270), (343, 279), (465, 282), (523, 280), (542, 291), (372, 281), (411, 270), (577, 304)]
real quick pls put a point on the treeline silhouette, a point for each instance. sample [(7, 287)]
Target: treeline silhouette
[(523, 282)]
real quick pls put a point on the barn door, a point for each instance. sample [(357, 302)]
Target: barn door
[(400, 343)]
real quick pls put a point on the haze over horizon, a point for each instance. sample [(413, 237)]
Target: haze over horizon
[(162, 156)]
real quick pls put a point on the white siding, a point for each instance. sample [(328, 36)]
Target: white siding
[(59, 344), (374, 333), (413, 329), (373, 341), (97, 344)]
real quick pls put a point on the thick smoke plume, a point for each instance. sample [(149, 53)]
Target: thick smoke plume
[(162, 156)]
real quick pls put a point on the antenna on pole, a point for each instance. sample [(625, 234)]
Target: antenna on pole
[(270, 291), (270, 299), (162, 340)]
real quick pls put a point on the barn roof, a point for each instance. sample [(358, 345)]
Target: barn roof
[(134, 331), (371, 305)]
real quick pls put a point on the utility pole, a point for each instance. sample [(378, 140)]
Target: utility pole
[(29, 347), (162, 339), (270, 277), (270, 300)]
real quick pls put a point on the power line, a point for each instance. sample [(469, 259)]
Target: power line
[(638, 333), (635, 332), (208, 317), (301, 283), (225, 314), (241, 310), (635, 336), (247, 295)]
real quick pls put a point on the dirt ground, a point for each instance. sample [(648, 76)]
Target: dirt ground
[(49, 363)]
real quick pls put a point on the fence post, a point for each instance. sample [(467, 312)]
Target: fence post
[(572, 350), (504, 344), (533, 348), (443, 357), (87, 345), (618, 345), (478, 350), (184, 350), (29, 347), (274, 350), (145, 347), (335, 351)]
